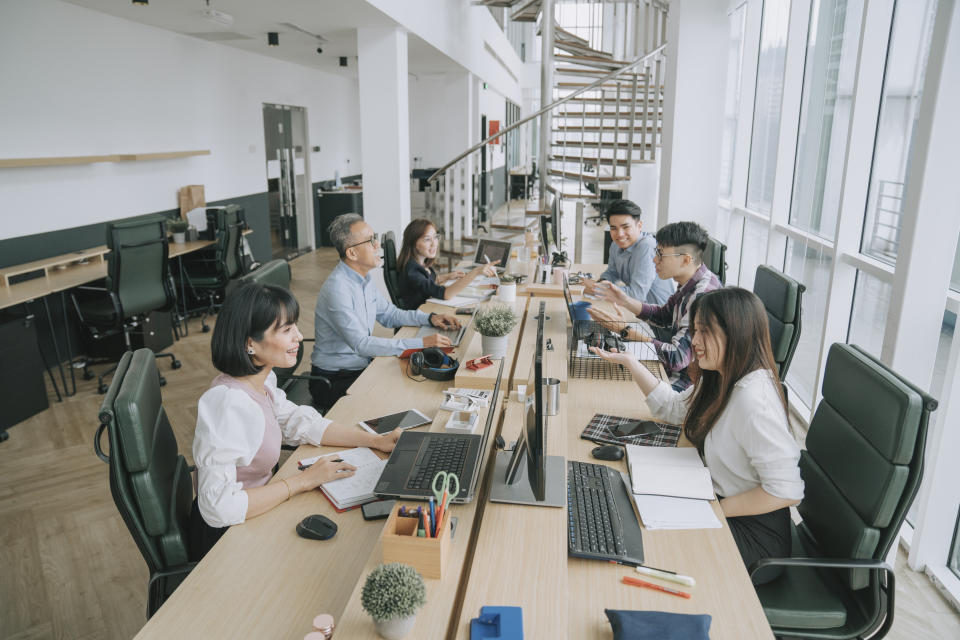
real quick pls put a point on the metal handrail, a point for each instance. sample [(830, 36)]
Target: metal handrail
[(552, 105)]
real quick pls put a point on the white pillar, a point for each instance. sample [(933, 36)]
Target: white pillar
[(696, 58), (384, 127)]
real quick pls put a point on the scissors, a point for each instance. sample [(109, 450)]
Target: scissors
[(447, 482)]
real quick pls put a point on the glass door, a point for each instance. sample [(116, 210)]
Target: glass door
[(288, 183)]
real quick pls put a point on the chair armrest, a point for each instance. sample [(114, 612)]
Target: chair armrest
[(172, 571), (97, 448), (89, 288)]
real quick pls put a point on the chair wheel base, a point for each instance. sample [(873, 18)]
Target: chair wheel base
[(206, 328), (176, 364), (163, 381), (101, 388), (87, 374), (4, 436)]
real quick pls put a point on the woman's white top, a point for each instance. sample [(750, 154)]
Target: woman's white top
[(750, 445), (230, 431)]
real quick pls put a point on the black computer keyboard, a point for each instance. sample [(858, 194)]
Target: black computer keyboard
[(438, 454), (600, 526)]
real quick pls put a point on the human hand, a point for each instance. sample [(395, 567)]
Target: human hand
[(590, 287), (613, 355), (489, 269), (443, 321), (387, 441), (611, 292), (325, 470), (606, 320), (436, 340)]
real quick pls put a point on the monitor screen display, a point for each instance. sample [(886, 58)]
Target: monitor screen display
[(493, 251)]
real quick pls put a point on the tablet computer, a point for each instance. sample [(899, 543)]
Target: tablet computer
[(405, 420)]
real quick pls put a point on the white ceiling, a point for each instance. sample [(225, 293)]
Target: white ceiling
[(335, 21)]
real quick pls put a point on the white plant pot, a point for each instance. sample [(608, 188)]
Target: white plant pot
[(495, 346), (507, 292), (180, 237), (396, 628)]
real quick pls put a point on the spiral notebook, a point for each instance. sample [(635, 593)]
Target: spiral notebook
[(358, 488)]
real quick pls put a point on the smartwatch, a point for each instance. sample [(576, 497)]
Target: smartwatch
[(625, 332)]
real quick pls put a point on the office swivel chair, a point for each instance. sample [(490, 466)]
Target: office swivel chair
[(862, 469), (149, 480), (137, 284), (715, 257), (391, 275), (296, 386), (782, 297), (207, 275)]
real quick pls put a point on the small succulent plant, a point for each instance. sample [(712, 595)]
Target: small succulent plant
[(393, 590), (495, 320)]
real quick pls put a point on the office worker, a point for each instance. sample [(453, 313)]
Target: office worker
[(243, 417), (679, 255), (736, 415), (418, 279), (631, 256), (348, 305)]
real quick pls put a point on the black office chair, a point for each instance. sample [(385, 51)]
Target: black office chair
[(296, 386), (782, 296), (208, 274), (137, 284), (391, 275), (715, 257), (862, 468), (149, 480)]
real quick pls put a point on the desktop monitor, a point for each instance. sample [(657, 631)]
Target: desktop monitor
[(547, 240)]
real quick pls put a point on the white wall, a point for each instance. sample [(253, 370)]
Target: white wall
[(84, 83), (428, 121)]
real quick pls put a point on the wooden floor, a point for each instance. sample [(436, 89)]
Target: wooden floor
[(68, 566)]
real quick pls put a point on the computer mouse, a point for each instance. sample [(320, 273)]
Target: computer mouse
[(607, 452), (317, 527)]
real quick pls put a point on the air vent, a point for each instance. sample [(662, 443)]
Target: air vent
[(219, 36)]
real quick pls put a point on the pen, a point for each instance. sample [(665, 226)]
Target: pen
[(427, 524), (420, 531), (307, 466), (663, 574), (649, 585), (486, 258), (433, 517)]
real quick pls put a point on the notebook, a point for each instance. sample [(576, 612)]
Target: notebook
[(358, 488), (675, 471)]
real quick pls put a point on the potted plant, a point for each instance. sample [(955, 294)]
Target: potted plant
[(494, 322), (179, 230), (508, 288), (392, 594)]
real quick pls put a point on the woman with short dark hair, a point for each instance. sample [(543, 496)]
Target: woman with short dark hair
[(243, 417), (418, 279), (736, 416)]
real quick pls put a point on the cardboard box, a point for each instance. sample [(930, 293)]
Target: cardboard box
[(191, 197)]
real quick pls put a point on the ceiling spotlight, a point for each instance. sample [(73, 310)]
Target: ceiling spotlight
[(273, 38), (141, 2), (319, 49)]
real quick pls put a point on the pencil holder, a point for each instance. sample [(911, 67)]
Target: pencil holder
[(401, 544)]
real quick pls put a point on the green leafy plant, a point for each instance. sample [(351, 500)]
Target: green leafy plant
[(393, 590), (495, 320), (177, 226), (507, 279)]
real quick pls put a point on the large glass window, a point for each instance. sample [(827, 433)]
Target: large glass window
[(899, 110), (868, 317), (766, 108), (955, 278), (811, 266), (825, 111), (754, 253), (731, 103), (582, 19)]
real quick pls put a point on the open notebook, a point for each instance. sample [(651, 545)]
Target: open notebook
[(358, 488), (671, 487)]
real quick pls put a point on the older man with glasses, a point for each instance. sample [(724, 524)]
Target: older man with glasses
[(348, 305)]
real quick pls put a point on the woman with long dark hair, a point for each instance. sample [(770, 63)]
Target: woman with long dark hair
[(736, 416), (418, 279)]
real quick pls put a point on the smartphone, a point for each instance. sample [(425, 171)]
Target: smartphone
[(377, 510), (405, 420), (637, 428)]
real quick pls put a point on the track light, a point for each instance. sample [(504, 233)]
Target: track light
[(141, 2), (273, 38)]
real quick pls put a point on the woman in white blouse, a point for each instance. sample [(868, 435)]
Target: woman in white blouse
[(736, 415), (243, 417)]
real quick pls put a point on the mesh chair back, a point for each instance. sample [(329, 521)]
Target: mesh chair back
[(782, 297), (391, 275), (715, 257), (864, 459), (228, 250), (137, 265)]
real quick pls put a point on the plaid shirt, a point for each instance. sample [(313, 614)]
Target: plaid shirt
[(675, 315)]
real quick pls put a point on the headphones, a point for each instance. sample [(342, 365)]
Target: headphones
[(432, 363)]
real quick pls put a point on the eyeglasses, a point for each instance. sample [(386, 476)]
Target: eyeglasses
[(661, 255), (431, 238), (374, 241)]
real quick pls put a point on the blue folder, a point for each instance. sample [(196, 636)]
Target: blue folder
[(498, 622)]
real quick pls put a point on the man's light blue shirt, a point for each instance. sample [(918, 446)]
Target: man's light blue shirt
[(634, 267), (347, 307)]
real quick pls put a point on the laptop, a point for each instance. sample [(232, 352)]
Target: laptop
[(420, 455), (455, 335), (492, 251)]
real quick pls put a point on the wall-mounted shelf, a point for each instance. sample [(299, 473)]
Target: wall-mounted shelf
[(116, 157)]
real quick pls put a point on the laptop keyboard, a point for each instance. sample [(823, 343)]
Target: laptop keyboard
[(438, 454)]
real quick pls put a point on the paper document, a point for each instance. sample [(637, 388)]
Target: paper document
[(677, 456), (456, 301), (358, 488), (668, 480), (639, 350), (662, 512)]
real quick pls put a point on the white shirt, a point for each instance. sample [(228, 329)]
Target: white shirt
[(750, 445), (230, 428)]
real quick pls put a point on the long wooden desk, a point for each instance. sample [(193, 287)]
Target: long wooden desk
[(261, 580)]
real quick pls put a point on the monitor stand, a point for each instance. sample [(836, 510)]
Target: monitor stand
[(520, 492)]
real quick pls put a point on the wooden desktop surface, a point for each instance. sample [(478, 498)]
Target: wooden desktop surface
[(262, 580)]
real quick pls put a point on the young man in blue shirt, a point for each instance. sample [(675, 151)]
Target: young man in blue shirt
[(348, 305), (631, 257)]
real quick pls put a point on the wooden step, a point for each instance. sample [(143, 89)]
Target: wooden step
[(607, 101), (526, 11), (599, 73), (569, 36), (605, 61), (588, 115), (623, 86), (622, 146), (595, 129), (622, 162), (587, 177)]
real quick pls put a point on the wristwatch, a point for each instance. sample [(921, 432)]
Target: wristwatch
[(625, 332), (430, 317)]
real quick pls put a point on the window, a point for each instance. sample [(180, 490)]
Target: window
[(766, 108), (955, 550), (955, 278), (754, 253), (871, 305), (899, 110), (825, 110), (731, 104), (584, 20), (811, 266)]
